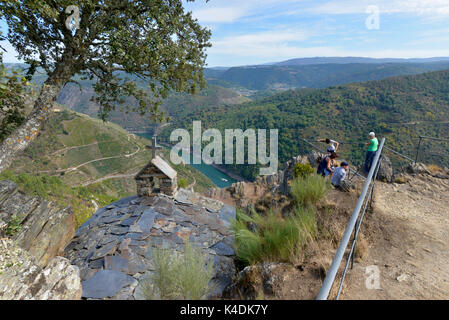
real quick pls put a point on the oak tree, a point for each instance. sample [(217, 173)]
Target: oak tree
[(117, 44)]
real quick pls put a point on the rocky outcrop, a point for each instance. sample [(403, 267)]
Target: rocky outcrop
[(41, 227), (385, 172), (256, 279), (113, 248), (37, 231), (244, 194), (22, 279), (240, 194), (289, 172), (407, 172), (420, 168)]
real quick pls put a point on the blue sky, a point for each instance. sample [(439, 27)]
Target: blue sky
[(259, 31)]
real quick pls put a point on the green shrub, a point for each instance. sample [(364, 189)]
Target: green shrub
[(164, 277), (14, 226), (307, 191), (306, 219), (182, 183), (272, 237), (302, 170), (195, 273), (177, 276)]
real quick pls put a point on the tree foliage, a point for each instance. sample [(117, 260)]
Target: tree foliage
[(13, 87), (118, 44)]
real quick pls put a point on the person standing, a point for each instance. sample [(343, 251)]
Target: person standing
[(332, 144), (372, 145)]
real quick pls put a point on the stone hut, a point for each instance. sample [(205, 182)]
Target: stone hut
[(160, 170)]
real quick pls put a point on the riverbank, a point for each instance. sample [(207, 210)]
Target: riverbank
[(229, 173)]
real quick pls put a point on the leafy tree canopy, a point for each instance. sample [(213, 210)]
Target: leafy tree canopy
[(13, 87), (118, 44)]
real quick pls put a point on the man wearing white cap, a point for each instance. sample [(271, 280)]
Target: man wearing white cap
[(372, 145)]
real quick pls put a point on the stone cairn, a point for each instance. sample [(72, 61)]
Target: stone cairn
[(113, 249)]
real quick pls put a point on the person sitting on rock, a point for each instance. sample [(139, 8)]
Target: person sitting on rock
[(333, 145), (326, 167), (339, 177)]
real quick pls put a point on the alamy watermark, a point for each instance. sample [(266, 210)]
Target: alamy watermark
[(72, 22), (213, 152), (372, 280), (372, 22)]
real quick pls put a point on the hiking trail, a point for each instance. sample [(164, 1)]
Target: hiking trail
[(408, 242)]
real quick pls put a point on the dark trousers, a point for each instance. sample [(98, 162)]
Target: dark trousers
[(369, 160)]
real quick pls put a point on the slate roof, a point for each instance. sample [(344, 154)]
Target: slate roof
[(163, 166)]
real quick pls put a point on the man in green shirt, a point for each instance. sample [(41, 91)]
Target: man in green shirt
[(372, 145)]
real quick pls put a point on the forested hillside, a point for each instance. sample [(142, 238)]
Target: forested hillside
[(228, 86), (176, 105), (400, 108), (290, 76)]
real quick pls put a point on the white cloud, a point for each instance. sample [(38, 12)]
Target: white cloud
[(219, 14), (10, 55), (268, 44), (227, 11), (418, 7)]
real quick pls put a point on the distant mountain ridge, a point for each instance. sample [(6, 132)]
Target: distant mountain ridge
[(346, 60), (285, 76)]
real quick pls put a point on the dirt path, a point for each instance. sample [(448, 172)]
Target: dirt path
[(190, 186), (91, 161), (113, 176), (60, 151), (408, 243)]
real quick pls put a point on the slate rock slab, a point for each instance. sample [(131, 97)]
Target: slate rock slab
[(227, 214), (145, 222), (105, 250), (105, 284), (223, 249), (115, 263)]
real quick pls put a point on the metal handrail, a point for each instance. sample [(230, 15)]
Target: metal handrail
[(429, 138), (356, 233), (332, 272), (433, 138), (399, 154)]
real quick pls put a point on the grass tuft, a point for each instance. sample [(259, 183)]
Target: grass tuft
[(307, 191), (272, 237), (178, 276)]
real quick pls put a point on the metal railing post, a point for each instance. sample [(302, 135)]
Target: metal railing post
[(417, 149), (332, 272)]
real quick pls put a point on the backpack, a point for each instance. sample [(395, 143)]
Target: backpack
[(322, 166)]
